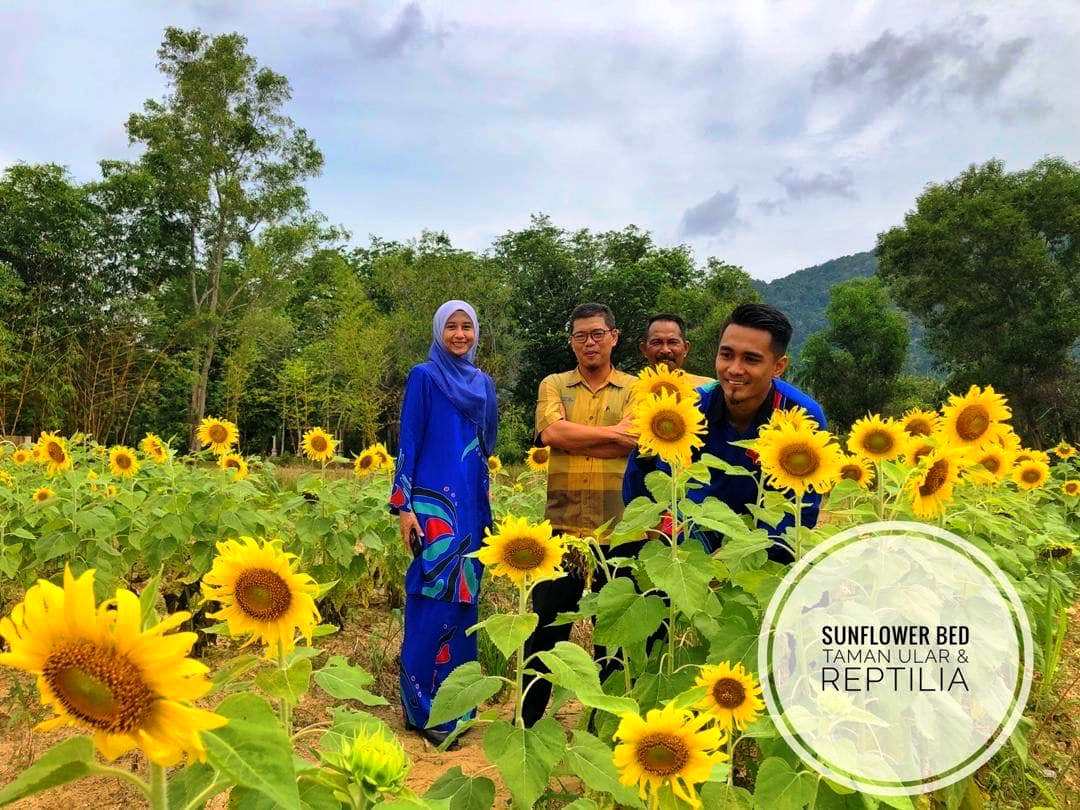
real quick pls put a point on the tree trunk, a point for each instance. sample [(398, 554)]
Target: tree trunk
[(197, 407)]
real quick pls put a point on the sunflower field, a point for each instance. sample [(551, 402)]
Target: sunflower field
[(176, 615)]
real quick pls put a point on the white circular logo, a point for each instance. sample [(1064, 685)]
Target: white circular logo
[(899, 658)]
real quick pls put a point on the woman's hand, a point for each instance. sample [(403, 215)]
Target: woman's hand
[(408, 524)]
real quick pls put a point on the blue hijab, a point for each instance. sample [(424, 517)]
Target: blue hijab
[(467, 387)]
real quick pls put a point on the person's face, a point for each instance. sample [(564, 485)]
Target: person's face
[(592, 341), (746, 364), (458, 336), (664, 343)]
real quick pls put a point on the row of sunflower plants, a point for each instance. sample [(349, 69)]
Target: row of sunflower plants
[(678, 721), (108, 666)]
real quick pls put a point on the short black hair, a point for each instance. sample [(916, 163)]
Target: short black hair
[(666, 316), (591, 311), (766, 317)]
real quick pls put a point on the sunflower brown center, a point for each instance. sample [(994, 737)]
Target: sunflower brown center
[(935, 478), (663, 388), (123, 461), (919, 452), (918, 427), (318, 443), (799, 459), (1072, 488), (668, 426), (1031, 475), (991, 463), (878, 442), (729, 693), (262, 594), (232, 464), (99, 686), (852, 472), (218, 434), (524, 554), (540, 456), (56, 452), (41, 496), (662, 754), (972, 422), (366, 462)]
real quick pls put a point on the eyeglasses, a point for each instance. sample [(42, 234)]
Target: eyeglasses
[(596, 335)]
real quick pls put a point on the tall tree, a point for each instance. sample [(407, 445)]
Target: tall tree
[(228, 162), (852, 365), (990, 261)]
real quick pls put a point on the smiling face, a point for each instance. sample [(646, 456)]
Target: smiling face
[(746, 365), (459, 335), (592, 341), (664, 343)]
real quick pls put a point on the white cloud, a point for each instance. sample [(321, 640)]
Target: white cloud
[(469, 117)]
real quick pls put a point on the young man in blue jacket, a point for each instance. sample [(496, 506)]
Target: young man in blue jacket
[(750, 360)]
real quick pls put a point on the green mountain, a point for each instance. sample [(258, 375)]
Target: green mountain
[(804, 294)]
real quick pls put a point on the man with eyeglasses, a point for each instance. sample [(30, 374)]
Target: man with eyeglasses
[(583, 415), (665, 343)]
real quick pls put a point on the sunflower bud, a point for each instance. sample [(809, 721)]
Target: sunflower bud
[(370, 767)]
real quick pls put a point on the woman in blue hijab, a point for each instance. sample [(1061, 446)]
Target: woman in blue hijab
[(449, 421)]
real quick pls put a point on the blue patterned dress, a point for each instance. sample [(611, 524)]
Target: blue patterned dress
[(441, 475)]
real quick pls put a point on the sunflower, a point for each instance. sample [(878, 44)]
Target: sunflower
[(877, 439), (6, 479), (917, 422), (235, 463), (318, 445), (1027, 454), (382, 455), (52, 451), (1058, 550), (122, 461), (153, 447), (931, 486), (733, 695), (796, 417), (667, 746), (857, 469), (974, 419), (1030, 474), (537, 458), (799, 459), (523, 552), (102, 673), (42, 494), (219, 434), (494, 465), (111, 491), (1063, 450), (669, 427), (21, 456), (1071, 487), (662, 380), (991, 463), (261, 593), (366, 463), (917, 448)]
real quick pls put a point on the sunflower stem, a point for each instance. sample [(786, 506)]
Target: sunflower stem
[(798, 527), (159, 793), (519, 693), (285, 708), (674, 541), (731, 741), (880, 491)]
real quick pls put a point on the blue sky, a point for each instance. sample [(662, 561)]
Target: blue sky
[(774, 135)]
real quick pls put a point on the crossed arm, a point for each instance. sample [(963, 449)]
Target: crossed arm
[(598, 441)]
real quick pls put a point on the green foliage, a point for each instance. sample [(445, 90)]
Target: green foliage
[(989, 260), (852, 366)]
